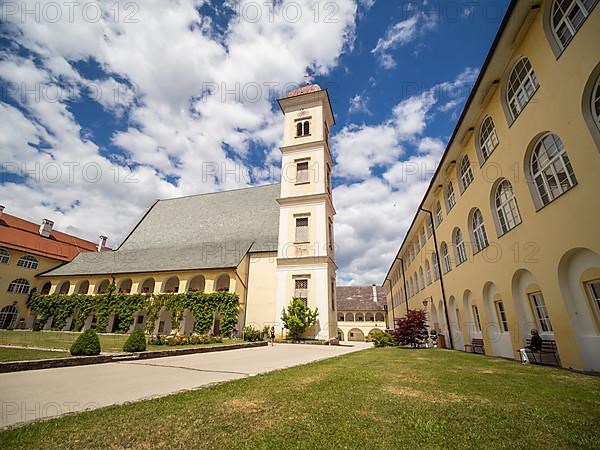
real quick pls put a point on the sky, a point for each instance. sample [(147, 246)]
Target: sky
[(107, 106)]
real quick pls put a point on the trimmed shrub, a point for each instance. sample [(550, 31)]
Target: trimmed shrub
[(251, 334), (87, 344), (136, 342), (382, 339)]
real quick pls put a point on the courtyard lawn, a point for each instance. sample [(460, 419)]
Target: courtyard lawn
[(63, 340), (22, 354), (377, 398)]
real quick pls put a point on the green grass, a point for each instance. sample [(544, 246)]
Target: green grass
[(379, 398), (21, 354), (63, 340)]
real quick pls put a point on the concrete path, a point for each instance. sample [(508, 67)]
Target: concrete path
[(42, 394)]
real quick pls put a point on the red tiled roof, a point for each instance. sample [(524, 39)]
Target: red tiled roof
[(304, 90), (359, 298), (23, 235)]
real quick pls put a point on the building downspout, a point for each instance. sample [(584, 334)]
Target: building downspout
[(404, 283), (439, 264)]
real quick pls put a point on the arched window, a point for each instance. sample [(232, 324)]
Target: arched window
[(522, 84), (19, 286), (196, 284), (349, 317), (450, 197), (63, 288), (480, 240), (551, 169), (567, 16), (436, 268), (488, 139), (596, 103), (8, 317), (147, 287), (83, 287), (46, 288), (421, 279), (299, 129), (222, 285), (369, 317), (466, 174), (427, 272), (171, 285), (506, 207), (306, 128), (102, 287), (379, 317), (28, 262), (459, 247), (4, 256), (445, 258), (439, 216), (125, 286), (411, 287)]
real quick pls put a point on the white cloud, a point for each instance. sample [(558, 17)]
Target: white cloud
[(359, 104), (375, 212), (402, 33), (167, 56)]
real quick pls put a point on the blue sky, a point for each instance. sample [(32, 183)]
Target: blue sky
[(102, 113)]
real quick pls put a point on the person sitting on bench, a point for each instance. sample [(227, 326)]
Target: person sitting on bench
[(534, 346)]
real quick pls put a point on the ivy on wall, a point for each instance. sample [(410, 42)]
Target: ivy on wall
[(203, 306)]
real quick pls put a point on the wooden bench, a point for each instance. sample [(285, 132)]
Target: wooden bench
[(548, 347), (474, 345)]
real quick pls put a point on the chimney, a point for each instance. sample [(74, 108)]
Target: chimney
[(102, 242), (1, 210), (46, 227), (374, 293)]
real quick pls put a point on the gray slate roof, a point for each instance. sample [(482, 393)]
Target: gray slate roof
[(205, 231), (359, 298)]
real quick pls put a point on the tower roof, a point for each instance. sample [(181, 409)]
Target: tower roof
[(304, 90)]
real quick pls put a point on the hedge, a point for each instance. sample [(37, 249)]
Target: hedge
[(202, 305), (87, 344)]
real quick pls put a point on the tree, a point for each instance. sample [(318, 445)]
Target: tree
[(412, 328), (298, 317)]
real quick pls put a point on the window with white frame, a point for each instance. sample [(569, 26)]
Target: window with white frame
[(427, 272), (567, 16), (301, 229), (4, 256), (450, 197), (459, 245), (301, 289), (302, 172), (488, 139), (506, 206), (436, 269), (19, 286), (439, 216), (551, 169), (421, 279), (476, 318), (596, 103), (522, 84), (593, 288), (466, 173), (480, 240), (541, 312), (28, 262), (446, 258), (501, 313)]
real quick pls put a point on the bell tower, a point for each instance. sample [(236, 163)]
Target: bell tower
[(305, 259)]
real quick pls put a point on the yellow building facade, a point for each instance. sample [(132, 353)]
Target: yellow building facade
[(268, 243), (506, 237)]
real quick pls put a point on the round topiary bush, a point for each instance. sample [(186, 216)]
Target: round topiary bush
[(136, 342), (87, 344)]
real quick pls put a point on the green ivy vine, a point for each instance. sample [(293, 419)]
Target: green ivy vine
[(202, 305)]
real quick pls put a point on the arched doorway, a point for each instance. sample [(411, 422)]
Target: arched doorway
[(472, 319), (8, 317), (454, 315), (579, 279), (496, 327), (356, 335)]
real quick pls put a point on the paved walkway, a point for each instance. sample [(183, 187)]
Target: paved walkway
[(38, 394)]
